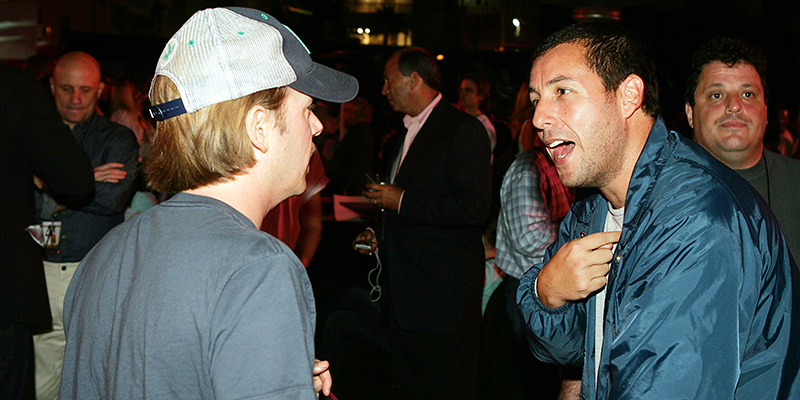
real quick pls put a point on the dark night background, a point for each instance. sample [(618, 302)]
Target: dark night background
[(472, 35)]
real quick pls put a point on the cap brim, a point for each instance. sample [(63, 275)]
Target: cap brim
[(327, 84)]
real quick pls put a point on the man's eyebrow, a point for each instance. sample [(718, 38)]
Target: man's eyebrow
[(714, 85), (558, 79), (720, 84), (553, 81)]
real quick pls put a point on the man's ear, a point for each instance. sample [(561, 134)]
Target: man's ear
[(100, 88), (416, 80), (258, 124), (632, 92), (52, 86), (689, 115)]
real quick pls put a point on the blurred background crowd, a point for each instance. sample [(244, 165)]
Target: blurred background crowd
[(484, 49)]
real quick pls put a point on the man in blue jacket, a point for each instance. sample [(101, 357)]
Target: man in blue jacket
[(675, 281)]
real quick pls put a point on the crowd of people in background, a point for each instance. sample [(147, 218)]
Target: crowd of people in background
[(347, 158), (468, 195)]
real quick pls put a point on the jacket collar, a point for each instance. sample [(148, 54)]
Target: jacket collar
[(413, 154), (659, 146), (660, 143)]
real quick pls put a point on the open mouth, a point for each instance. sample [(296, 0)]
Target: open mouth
[(560, 149)]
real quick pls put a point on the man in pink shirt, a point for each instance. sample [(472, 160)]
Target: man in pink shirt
[(436, 201)]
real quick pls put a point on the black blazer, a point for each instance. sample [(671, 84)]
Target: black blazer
[(433, 250), (33, 140)]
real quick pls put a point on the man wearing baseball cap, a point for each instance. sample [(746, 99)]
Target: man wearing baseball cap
[(190, 300)]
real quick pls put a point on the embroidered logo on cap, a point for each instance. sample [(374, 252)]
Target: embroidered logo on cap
[(169, 52)]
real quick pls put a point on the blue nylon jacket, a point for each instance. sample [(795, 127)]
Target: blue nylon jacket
[(702, 299)]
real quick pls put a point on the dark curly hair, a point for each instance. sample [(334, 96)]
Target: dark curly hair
[(730, 52)]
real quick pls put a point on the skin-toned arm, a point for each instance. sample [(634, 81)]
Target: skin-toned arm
[(311, 229), (577, 270), (110, 172), (114, 177), (570, 382), (570, 389)]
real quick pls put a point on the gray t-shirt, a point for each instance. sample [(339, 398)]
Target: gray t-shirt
[(777, 179), (189, 300)]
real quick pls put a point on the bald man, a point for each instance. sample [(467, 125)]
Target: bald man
[(113, 151)]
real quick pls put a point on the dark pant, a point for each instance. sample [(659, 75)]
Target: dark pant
[(16, 361), (434, 365), (510, 296), (508, 370)]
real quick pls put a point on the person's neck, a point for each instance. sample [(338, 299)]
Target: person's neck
[(744, 160), (424, 99), (474, 111), (243, 194), (72, 125), (615, 194), (639, 130)]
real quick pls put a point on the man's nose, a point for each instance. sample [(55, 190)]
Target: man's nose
[(734, 105), (316, 125), (543, 115)]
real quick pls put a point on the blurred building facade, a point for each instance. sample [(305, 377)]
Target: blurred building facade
[(474, 24), (135, 31)]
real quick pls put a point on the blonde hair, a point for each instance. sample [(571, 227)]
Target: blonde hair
[(207, 146)]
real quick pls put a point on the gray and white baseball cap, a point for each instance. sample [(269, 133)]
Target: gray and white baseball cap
[(222, 54)]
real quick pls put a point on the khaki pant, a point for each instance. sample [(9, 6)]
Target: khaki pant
[(49, 347)]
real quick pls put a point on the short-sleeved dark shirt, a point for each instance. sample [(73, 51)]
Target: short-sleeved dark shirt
[(189, 300)]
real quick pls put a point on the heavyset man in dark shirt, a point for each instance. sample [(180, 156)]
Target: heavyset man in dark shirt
[(726, 105), (113, 151)]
